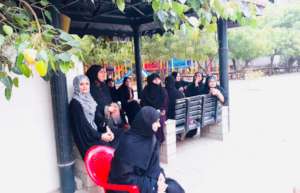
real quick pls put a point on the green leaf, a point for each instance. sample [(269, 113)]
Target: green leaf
[(25, 70), (65, 57), (20, 59), (155, 5), (3, 74), (7, 30), (16, 82), (64, 67), (41, 67), (8, 93), (43, 56), (7, 81), (193, 21), (44, 3), (48, 15), (121, 5), (65, 36), (2, 40), (179, 8), (52, 61)]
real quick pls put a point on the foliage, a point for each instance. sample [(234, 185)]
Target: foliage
[(28, 43), (171, 13), (190, 44), (276, 33)]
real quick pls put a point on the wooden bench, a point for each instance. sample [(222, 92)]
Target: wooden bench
[(196, 112)]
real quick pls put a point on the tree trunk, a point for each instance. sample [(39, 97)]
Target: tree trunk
[(234, 65), (290, 62), (247, 63), (271, 65)]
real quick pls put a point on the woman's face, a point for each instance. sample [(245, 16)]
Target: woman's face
[(84, 86), (101, 75), (212, 84), (198, 77), (178, 77), (156, 81), (155, 125), (128, 82)]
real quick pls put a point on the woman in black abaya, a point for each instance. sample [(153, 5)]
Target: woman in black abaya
[(173, 95), (156, 96), (126, 96), (136, 161), (196, 87)]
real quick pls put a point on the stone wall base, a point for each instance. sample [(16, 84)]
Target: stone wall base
[(168, 147), (84, 184), (219, 130)]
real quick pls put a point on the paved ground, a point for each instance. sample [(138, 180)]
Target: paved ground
[(262, 151)]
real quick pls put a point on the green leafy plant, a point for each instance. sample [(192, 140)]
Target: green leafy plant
[(27, 43)]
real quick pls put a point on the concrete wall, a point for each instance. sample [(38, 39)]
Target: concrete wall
[(27, 141)]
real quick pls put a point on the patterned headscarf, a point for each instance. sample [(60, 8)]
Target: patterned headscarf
[(86, 100)]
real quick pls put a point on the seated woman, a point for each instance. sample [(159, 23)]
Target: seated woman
[(88, 125), (112, 89), (136, 160), (156, 96), (100, 91), (180, 84), (196, 87), (211, 87), (173, 95), (126, 96)]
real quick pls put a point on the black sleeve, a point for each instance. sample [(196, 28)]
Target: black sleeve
[(80, 122), (100, 121)]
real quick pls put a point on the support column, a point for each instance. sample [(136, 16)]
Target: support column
[(63, 135), (223, 57), (138, 59), (220, 129)]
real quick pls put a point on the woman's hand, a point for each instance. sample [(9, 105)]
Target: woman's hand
[(106, 137), (161, 184), (181, 89)]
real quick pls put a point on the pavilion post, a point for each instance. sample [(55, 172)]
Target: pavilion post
[(223, 58), (138, 59), (64, 145)]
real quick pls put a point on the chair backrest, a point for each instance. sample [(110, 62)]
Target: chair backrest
[(98, 162)]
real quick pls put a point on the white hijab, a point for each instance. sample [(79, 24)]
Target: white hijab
[(86, 100)]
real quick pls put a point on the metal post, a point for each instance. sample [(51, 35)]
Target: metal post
[(63, 138), (223, 58), (138, 59)]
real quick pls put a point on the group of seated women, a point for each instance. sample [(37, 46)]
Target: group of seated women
[(97, 119)]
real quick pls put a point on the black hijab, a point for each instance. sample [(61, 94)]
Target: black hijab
[(99, 90), (92, 73), (137, 145), (153, 94)]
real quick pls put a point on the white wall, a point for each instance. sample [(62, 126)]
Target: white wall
[(27, 142)]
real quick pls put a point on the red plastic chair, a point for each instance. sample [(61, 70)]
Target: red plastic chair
[(98, 162)]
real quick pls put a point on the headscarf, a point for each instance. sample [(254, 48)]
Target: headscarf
[(86, 100), (207, 80), (137, 145), (170, 82), (153, 94), (92, 73), (142, 124)]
